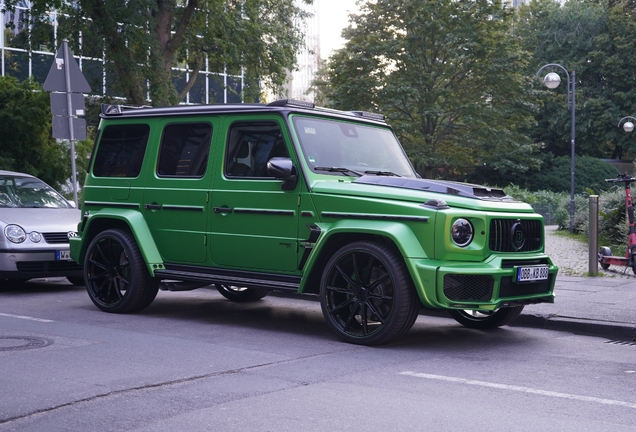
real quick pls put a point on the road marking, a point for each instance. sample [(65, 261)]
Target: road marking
[(520, 389), (25, 317)]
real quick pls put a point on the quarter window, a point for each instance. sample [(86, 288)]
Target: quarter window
[(185, 148), (121, 150)]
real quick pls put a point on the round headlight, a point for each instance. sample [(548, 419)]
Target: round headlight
[(462, 232), (35, 237), (14, 233)]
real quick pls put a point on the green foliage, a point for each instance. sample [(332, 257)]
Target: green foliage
[(447, 74), (144, 39), (26, 144), (590, 174)]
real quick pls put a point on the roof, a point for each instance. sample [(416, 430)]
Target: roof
[(282, 106)]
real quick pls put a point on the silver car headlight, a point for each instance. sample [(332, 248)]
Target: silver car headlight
[(35, 237), (462, 232), (15, 233)]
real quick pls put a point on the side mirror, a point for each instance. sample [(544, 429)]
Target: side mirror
[(282, 168)]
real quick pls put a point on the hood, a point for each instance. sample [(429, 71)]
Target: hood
[(42, 219), (441, 194)]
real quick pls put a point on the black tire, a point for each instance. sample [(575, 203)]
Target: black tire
[(240, 294), (116, 276), (604, 251), (76, 280), (484, 320), (367, 294)]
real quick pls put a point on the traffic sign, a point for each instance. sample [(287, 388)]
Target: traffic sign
[(56, 79)]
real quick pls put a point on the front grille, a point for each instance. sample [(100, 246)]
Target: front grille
[(47, 266), (56, 237), (501, 235), (510, 288), (459, 287)]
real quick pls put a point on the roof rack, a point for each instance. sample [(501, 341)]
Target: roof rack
[(292, 103), (369, 115), (109, 109)]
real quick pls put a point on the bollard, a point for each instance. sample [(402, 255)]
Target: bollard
[(593, 235)]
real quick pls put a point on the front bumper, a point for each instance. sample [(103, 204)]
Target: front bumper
[(487, 285), (36, 264)]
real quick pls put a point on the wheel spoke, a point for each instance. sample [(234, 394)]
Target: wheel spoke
[(351, 317), (339, 290), (368, 270), (375, 312), (378, 281), (363, 319), (346, 277), (341, 306)]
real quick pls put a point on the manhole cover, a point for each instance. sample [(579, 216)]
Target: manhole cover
[(16, 343)]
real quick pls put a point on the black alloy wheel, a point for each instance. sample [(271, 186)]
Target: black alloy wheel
[(116, 276), (367, 295)]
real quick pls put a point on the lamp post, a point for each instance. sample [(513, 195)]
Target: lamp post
[(552, 81)]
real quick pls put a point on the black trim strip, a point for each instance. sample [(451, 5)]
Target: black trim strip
[(314, 233), (374, 216), (231, 277), (187, 208), (261, 211), (111, 204)]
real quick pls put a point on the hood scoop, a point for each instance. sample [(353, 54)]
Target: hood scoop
[(438, 186)]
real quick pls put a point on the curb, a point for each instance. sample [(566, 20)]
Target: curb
[(607, 329)]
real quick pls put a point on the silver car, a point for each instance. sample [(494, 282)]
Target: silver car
[(35, 225)]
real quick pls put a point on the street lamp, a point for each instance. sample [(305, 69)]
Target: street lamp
[(552, 81), (627, 126)]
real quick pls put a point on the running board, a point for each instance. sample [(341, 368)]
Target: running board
[(242, 279)]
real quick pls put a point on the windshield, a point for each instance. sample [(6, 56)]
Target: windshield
[(339, 148), (29, 192)]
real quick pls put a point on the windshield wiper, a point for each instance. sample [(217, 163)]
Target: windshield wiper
[(383, 173), (340, 170)]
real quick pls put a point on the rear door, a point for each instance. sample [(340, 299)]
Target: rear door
[(176, 197), (254, 224)]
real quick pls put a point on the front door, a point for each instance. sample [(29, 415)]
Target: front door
[(176, 198), (254, 224)]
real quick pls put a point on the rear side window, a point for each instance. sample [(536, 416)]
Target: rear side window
[(121, 150), (185, 148)]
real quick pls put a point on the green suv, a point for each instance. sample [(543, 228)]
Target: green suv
[(295, 198)]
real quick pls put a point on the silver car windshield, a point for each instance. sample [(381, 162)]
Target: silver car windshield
[(29, 192), (353, 149)]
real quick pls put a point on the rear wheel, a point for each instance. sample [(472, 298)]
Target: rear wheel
[(116, 276), (486, 319), (367, 295), (241, 294)]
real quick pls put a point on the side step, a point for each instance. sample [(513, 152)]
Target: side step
[(227, 277)]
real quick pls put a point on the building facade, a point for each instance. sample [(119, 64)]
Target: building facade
[(28, 50)]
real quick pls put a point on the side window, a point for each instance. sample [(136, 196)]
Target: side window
[(184, 151), (121, 150), (250, 146)]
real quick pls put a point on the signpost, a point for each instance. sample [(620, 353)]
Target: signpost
[(67, 85)]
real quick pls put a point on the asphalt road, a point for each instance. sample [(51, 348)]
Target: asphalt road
[(194, 361)]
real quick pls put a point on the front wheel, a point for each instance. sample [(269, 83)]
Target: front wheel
[(603, 252), (117, 279), (367, 295), (241, 294), (484, 320)]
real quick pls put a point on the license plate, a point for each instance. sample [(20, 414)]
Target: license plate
[(63, 255), (534, 273)]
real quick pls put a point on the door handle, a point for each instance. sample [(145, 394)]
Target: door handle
[(222, 210), (152, 206)]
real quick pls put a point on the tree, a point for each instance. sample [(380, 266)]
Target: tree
[(448, 75), (143, 39), (596, 40), (26, 144)]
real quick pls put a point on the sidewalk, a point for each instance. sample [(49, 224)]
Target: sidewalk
[(604, 305)]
